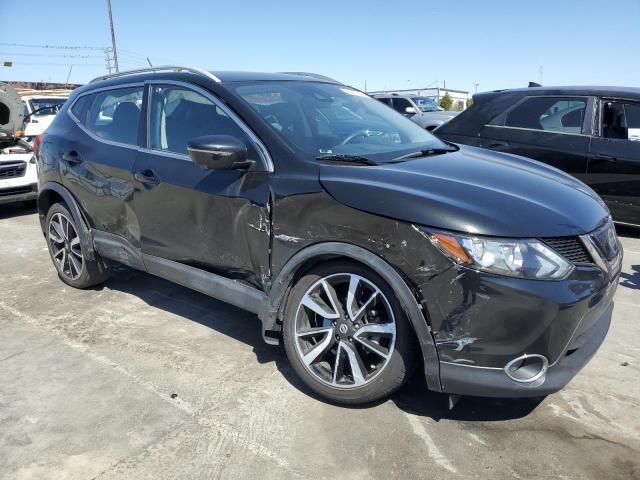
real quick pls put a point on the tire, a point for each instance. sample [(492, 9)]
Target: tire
[(348, 358), (66, 251)]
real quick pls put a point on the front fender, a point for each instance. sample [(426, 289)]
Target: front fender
[(282, 284)]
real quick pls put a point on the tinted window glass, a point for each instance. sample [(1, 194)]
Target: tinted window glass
[(115, 114), (81, 106), (400, 104), (385, 100), (549, 113), (621, 120), (178, 115)]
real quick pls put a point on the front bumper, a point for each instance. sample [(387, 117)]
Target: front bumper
[(493, 382), (482, 322), (18, 194)]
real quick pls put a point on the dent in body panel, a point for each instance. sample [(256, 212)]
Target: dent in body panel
[(488, 320), (309, 218), (217, 221)]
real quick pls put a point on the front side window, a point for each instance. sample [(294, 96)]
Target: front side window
[(621, 120), (177, 115), (401, 105), (555, 114), (322, 119), (115, 114)]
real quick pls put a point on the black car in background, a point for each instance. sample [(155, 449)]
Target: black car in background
[(592, 133), (364, 244)]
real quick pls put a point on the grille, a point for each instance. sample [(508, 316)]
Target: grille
[(6, 192), (570, 248), (12, 170)]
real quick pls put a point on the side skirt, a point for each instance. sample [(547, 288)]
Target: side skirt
[(221, 288)]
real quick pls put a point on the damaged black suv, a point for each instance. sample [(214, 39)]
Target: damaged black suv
[(364, 244)]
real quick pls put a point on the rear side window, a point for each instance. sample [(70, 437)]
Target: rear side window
[(555, 114), (178, 115), (621, 120), (80, 107), (115, 114), (385, 100)]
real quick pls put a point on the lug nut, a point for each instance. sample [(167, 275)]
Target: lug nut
[(356, 325), (350, 339), (337, 337)]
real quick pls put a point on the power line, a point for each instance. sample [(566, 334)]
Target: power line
[(59, 64), (49, 55), (58, 47)]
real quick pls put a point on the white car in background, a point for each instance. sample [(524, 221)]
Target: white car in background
[(39, 112), (18, 173)]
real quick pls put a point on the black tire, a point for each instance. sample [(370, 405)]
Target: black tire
[(91, 272), (381, 384)]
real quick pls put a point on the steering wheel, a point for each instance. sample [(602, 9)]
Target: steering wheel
[(360, 133)]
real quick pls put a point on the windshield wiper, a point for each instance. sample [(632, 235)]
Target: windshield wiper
[(427, 152), (347, 159)]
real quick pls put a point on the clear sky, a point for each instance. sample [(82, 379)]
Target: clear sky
[(390, 45)]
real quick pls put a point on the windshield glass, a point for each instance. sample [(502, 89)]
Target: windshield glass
[(52, 105), (426, 104), (326, 120)]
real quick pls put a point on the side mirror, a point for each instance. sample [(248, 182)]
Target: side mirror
[(411, 110), (219, 152)]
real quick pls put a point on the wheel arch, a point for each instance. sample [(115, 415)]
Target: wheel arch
[(51, 193), (310, 256)]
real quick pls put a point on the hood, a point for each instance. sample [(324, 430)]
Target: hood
[(472, 190), (11, 109)]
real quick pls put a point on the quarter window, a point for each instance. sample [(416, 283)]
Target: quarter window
[(80, 107), (553, 114), (178, 115), (115, 114)]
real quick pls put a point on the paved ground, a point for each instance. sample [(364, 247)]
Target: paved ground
[(144, 379)]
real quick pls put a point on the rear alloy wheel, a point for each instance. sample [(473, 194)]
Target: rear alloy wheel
[(346, 336), (65, 248), (64, 243)]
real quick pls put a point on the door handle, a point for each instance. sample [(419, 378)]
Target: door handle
[(72, 157), (147, 176), (498, 145), (606, 158)]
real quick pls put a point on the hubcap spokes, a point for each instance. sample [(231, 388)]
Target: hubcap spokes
[(65, 246), (345, 330)]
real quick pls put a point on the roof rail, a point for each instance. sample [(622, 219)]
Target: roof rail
[(164, 68), (312, 75)]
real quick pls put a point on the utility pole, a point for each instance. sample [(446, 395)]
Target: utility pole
[(68, 75), (541, 75), (476, 86), (107, 59), (113, 38)]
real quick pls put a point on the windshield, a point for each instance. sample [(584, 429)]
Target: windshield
[(327, 120), (51, 105), (426, 104)]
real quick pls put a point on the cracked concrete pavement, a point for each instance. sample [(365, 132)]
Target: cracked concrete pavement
[(145, 379)]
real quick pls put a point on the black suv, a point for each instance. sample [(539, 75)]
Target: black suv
[(361, 241), (592, 133)]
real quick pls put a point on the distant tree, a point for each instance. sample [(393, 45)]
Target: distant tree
[(469, 102), (446, 102)]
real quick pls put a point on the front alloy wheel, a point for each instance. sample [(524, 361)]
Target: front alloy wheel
[(346, 336)]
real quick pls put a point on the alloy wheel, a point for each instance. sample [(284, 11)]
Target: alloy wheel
[(64, 242), (345, 330)]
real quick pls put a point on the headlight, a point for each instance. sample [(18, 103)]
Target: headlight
[(504, 256)]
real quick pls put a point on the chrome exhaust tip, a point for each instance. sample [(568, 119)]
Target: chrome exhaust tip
[(527, 368)]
